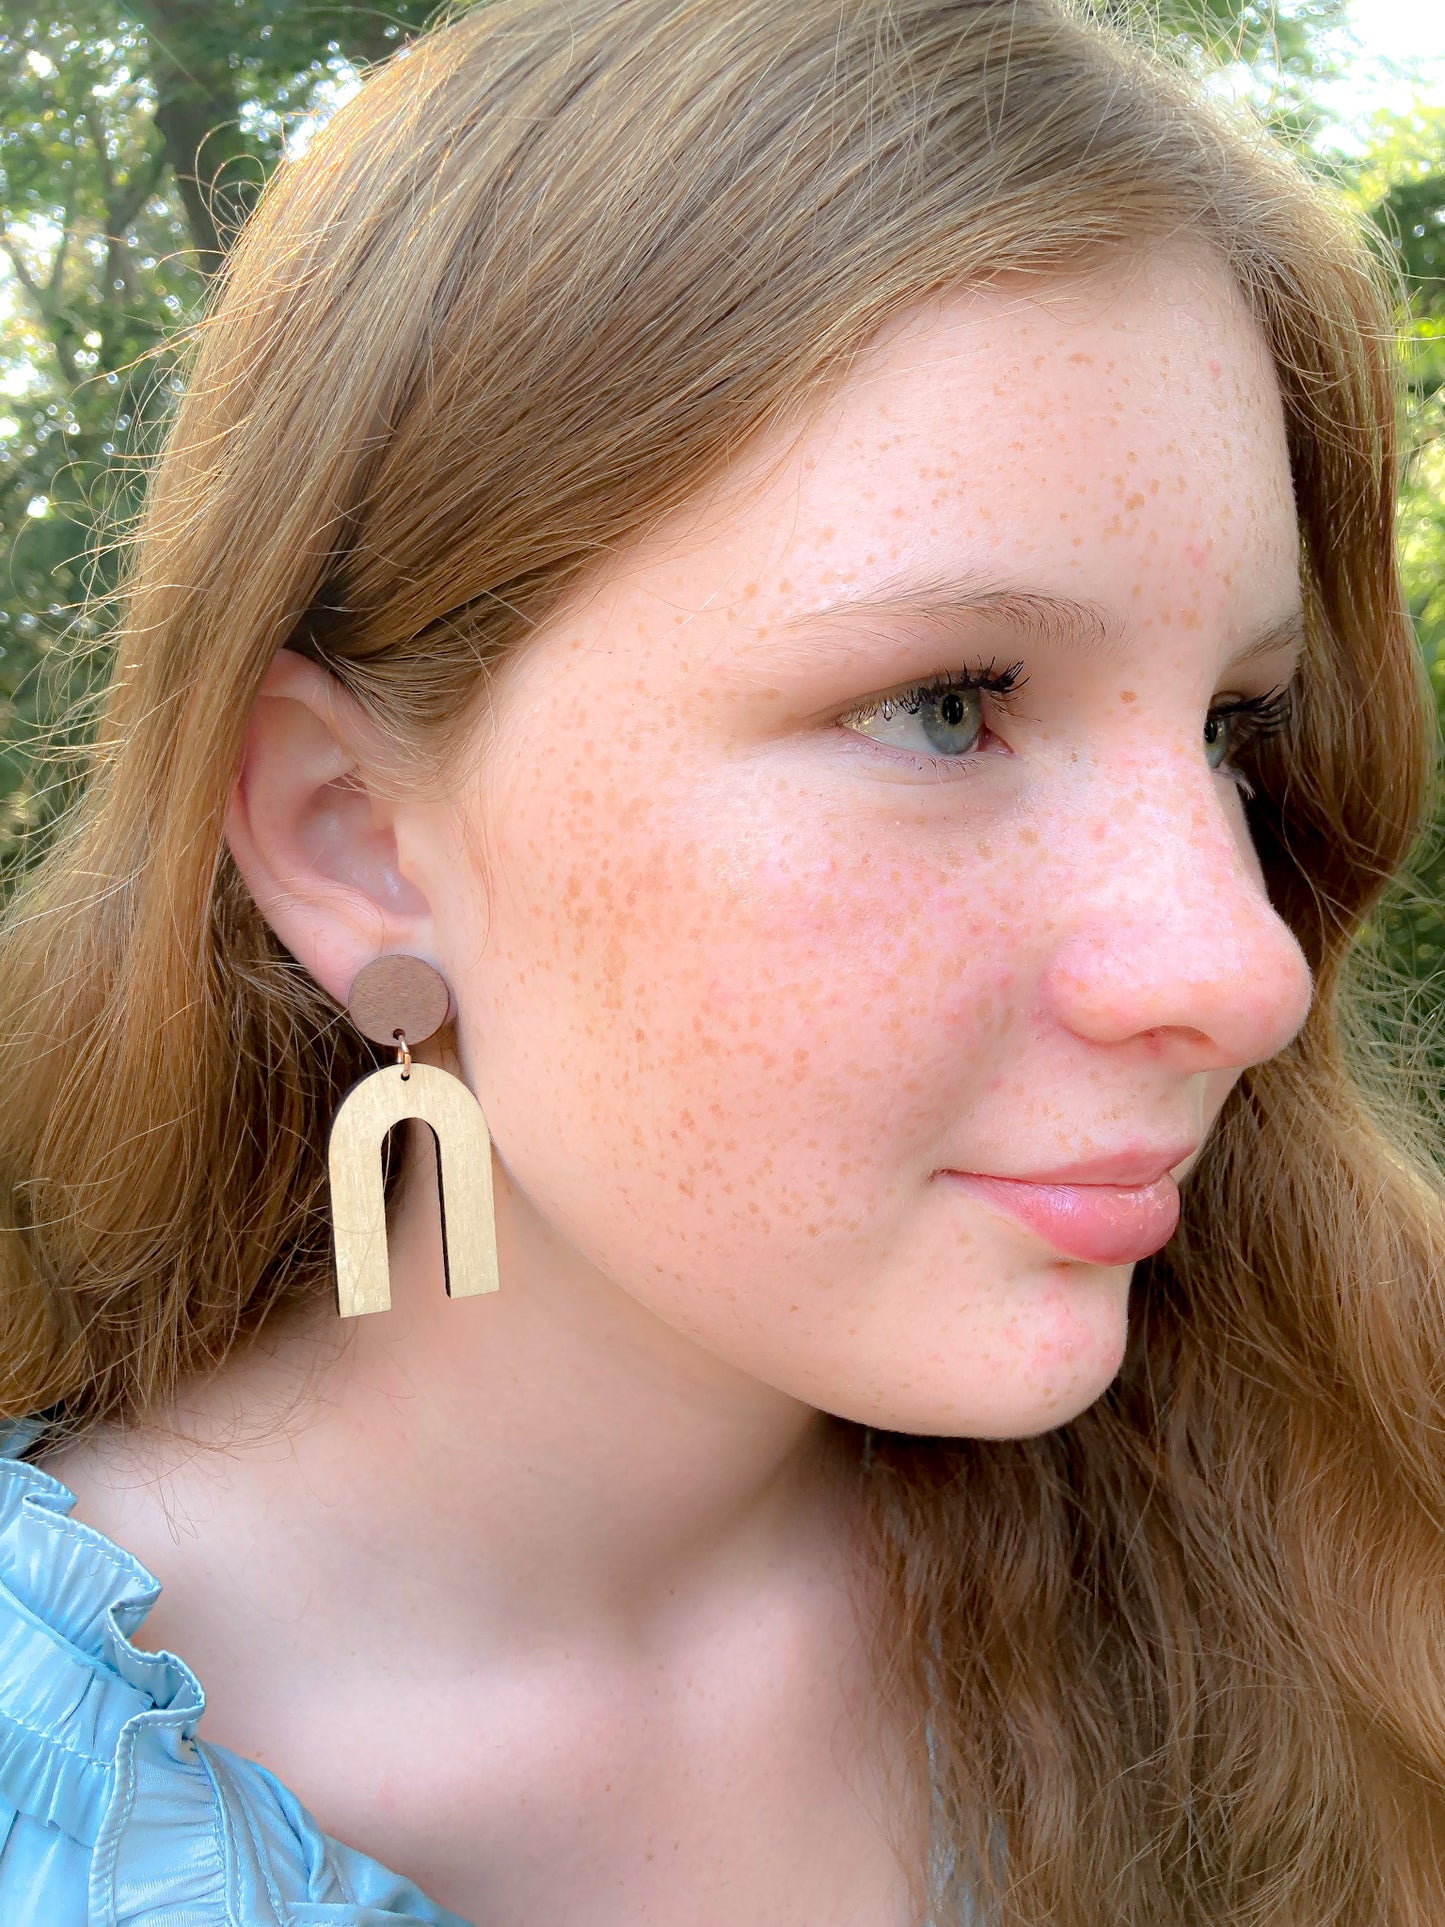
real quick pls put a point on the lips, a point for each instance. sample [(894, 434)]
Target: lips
[(1104, 1224)]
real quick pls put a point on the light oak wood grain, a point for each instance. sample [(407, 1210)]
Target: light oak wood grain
[(464, 1171)]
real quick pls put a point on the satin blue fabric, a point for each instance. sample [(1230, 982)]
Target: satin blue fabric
[(112, 1812)]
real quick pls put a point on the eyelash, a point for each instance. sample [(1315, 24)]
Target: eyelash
[(1001, 683), (1265, 715), (1268, 714)]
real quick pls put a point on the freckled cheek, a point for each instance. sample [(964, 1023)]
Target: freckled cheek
[(758, 968)]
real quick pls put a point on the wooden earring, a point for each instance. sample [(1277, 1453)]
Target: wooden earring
[(401, 1001)]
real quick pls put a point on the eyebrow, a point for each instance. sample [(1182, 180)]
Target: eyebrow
[(1278, 637), (1086, 626)]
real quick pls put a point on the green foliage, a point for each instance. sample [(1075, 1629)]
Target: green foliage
[(132, 141), (1400, 181), (1276, 48), (1284, 38), (98, 273)]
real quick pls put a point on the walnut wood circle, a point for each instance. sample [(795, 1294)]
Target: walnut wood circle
[(398, 993)]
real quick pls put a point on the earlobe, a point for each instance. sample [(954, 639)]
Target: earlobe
[(313, 839)]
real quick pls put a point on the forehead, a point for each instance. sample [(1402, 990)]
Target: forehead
[(1113, 433)]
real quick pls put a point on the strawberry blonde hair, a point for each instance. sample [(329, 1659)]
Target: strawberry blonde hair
[(1181, 1660)]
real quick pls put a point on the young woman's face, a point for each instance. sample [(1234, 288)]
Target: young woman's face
[(847, 1014)]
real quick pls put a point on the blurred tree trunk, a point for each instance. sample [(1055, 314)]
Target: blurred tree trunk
[(198, 115)]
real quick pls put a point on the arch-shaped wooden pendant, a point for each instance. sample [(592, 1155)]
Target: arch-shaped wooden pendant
[(464, 1183)]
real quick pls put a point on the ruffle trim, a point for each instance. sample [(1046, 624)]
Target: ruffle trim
[(98, 1739)]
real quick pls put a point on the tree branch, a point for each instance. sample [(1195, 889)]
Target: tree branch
[(95, 128), (62, 248), (197, 115), (22, 272), (42, 297), (138, 189)]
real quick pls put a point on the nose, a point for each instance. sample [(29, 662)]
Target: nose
[(1167, 930)]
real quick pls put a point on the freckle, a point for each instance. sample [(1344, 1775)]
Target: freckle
[(1028, 836), (1127, 696), (985, 849)]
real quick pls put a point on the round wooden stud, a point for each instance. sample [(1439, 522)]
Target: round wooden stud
[(398, 993)]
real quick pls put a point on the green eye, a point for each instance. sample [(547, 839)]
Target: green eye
[(952, 721), (1216, 740), (942, 722)]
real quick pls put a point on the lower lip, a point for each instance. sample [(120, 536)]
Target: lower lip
[(1104, 1224)]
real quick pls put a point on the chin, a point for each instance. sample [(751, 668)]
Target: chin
[(988, 1416), (1034, 1385)]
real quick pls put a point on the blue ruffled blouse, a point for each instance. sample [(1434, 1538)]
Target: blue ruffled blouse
[(112, 1812)]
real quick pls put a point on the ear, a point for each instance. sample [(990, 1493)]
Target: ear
[(316, 844)]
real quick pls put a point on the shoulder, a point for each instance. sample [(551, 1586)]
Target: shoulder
[(111, 1808)]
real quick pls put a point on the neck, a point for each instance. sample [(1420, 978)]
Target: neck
[(548, 1454)]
